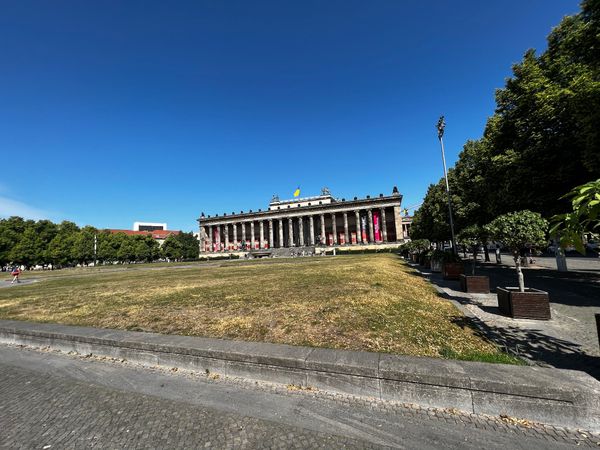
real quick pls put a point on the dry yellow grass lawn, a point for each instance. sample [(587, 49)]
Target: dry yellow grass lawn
[(361, 302)]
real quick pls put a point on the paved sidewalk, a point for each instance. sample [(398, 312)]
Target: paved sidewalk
[(53, 400), (567, 341), (8, 283)]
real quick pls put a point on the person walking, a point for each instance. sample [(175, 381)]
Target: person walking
[(15, 273)]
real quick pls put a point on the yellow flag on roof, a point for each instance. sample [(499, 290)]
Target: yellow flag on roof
[(297, 192)]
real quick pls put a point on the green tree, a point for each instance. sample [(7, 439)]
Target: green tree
[(172, 248), (517, 231), (126, 250), (190, 246), (584, 217), (145, 248), (59, 250), (28, 250), (11, 232), (472, 237), (83, 245), (108, 245)]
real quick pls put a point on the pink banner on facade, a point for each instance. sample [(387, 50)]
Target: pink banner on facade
[(216, 240), (376, 226)]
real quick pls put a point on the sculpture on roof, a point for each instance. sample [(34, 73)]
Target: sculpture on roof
[(275, 198), (325, 191)]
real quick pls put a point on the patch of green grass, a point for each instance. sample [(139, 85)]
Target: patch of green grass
[(497, 358)]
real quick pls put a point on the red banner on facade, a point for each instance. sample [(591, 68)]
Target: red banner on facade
[(353, 237), (376, 226)]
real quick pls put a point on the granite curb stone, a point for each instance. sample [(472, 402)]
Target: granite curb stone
[(554, 396)]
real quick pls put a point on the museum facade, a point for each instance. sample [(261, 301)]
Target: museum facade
[(303, 222)]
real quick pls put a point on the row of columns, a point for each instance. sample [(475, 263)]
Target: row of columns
[(291, 241)]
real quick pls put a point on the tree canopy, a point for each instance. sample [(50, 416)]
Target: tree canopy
[(30, 243), (542, 140)]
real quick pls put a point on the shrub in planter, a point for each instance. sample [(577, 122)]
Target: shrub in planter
[(437, 259), (452, 266), (473, 237), (518, 230), (425, 259)]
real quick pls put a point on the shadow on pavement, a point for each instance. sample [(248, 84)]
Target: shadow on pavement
[(534, 345), (573, 289)]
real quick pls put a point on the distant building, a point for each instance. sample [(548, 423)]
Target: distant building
[(406, 224), (149, 226), (159, 234), (299, 222)]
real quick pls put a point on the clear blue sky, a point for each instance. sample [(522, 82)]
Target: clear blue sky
[(116, 111)]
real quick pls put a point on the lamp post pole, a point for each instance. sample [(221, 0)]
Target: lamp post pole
[(440, 127)]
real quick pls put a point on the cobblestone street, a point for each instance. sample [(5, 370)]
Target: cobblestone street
[(50, 400)]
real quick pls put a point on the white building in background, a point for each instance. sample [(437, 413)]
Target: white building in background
[(149, 226)]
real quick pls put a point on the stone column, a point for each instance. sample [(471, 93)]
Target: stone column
[(323, 235), (371, 234), (333, 227), (201, 235), (252, 234), (300, 231), (244, 234), (398, 224), (358, 232), (271, 243), (235, 240), (312, 230), (281, 243), (383, 225), (261, 244), (291, 232), (346, 234), (226, 227), (210, 238)]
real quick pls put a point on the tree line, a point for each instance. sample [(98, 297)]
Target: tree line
[(30, 243), (542, 141)]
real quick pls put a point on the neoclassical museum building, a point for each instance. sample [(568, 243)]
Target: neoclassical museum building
[(303, 222)]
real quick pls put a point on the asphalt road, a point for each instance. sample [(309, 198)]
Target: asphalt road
[(50, 401)]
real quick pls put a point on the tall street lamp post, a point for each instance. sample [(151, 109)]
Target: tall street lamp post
[(440, 127)]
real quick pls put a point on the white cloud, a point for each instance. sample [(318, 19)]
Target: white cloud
[(9, 207)]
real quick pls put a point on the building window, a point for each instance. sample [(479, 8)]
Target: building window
[(320, 203), (278, 207)]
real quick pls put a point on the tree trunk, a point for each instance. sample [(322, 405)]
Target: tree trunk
[(517, 257), (474, 260), (561, 260)]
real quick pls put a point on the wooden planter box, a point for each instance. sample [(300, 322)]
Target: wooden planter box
[(452, 270), (531, 304), (475, 284), (436, 265)]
